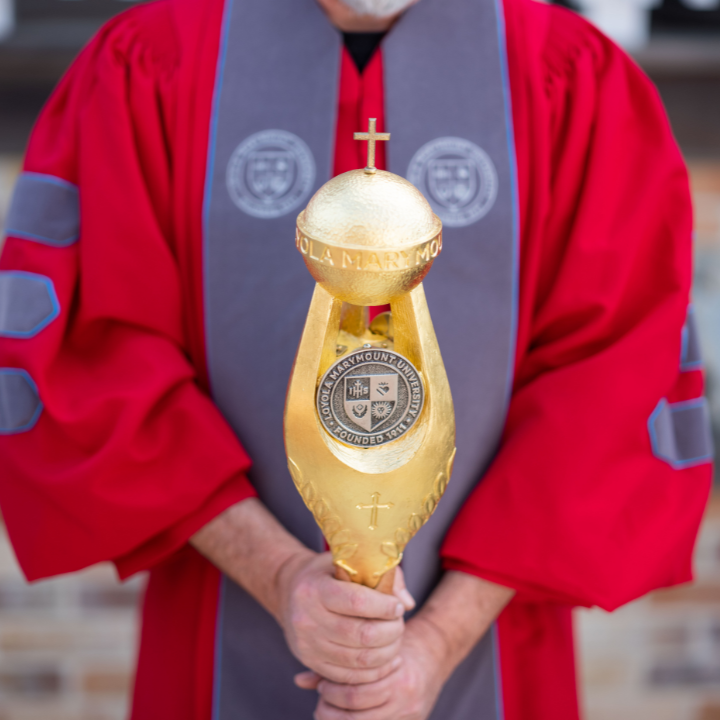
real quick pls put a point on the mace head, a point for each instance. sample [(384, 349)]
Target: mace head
[(368, 237)]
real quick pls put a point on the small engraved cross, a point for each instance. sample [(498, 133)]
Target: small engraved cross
[(372, 137), (374, 509)]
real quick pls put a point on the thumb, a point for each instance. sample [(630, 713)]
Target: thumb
[(307, 680), (401, 592)]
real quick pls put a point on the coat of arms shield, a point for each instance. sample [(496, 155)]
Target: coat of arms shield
[(270, 173), (370, 399), (452, 181)]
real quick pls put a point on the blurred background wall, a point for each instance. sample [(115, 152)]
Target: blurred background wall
[(67, 645)]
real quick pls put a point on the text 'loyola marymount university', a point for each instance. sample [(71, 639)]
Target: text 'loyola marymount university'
[(370, 259)]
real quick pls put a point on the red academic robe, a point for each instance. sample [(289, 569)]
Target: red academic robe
[(129, 456)]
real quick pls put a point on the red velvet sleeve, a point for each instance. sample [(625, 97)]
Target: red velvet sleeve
[(576, 507), (128, 456)]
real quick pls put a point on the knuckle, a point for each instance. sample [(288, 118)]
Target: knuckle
[(366, 659), (357, 602), (353, 696), (347, 631), (368, 634), (339, 675), (352, 677), (346, 658)]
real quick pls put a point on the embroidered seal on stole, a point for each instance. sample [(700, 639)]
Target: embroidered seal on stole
[(270, 174), (457, 177)]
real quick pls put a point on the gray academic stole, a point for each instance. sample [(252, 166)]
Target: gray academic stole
[(271, 147)]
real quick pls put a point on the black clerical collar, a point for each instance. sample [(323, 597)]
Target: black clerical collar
[(362, 46)]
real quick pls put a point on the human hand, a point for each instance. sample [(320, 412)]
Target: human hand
[(343, 631), (453, 619), (408, 693)]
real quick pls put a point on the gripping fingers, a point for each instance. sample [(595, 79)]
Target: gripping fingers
[(358, 676), (357, 633), (357, 697), (360, 658), (325, 711), (355, 600)]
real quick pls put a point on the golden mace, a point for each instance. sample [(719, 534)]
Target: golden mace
[(369, 421)]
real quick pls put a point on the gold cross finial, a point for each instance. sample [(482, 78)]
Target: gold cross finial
[(374, 509), (372, 137)]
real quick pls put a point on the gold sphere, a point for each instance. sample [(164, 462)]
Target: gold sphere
[(368, 237)]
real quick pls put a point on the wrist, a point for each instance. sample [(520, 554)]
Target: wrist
[(457, 615), (422, 630), (283, 581)]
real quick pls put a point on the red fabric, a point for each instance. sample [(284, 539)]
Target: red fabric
[(360, 97), (575, 507), (175, 667), (130, 456), (128, 447), (537, 662)]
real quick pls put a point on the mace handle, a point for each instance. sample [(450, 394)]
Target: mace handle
[(384, 586)]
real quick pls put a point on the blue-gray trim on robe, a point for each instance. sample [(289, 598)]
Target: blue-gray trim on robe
[(20, 404), (690, 353), (680, 433), (265, 159), (44, 209), (28, 303)]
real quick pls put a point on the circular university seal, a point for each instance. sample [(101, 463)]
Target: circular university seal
[(457, 177), (270, 173), (370, 397)]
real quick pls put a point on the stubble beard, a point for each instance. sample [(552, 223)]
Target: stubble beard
[(378, 8)]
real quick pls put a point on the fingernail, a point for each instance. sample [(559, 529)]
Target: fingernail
[(399, 610), (409, 599)]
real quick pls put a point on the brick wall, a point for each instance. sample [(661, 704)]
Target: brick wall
[(67, 645), (658, 658), (9, 168)]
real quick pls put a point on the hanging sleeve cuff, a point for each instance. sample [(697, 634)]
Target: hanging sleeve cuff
[(175, 537)]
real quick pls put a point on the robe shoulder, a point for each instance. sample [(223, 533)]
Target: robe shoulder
[(557, 42), (122, 424), (604, 279), (138, 48)]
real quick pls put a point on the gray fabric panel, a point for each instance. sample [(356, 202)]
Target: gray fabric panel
[(20, 404), (691, 355), (284, 55), (471, 691), (252, 662), (681, 433), (28, 303), (279, 73), (44, 209)]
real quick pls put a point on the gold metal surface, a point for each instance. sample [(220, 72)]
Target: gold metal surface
[(372, 137), (369, 239)]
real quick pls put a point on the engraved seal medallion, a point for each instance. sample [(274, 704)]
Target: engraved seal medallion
[(370, 397), (457, 177), (270, 173)]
